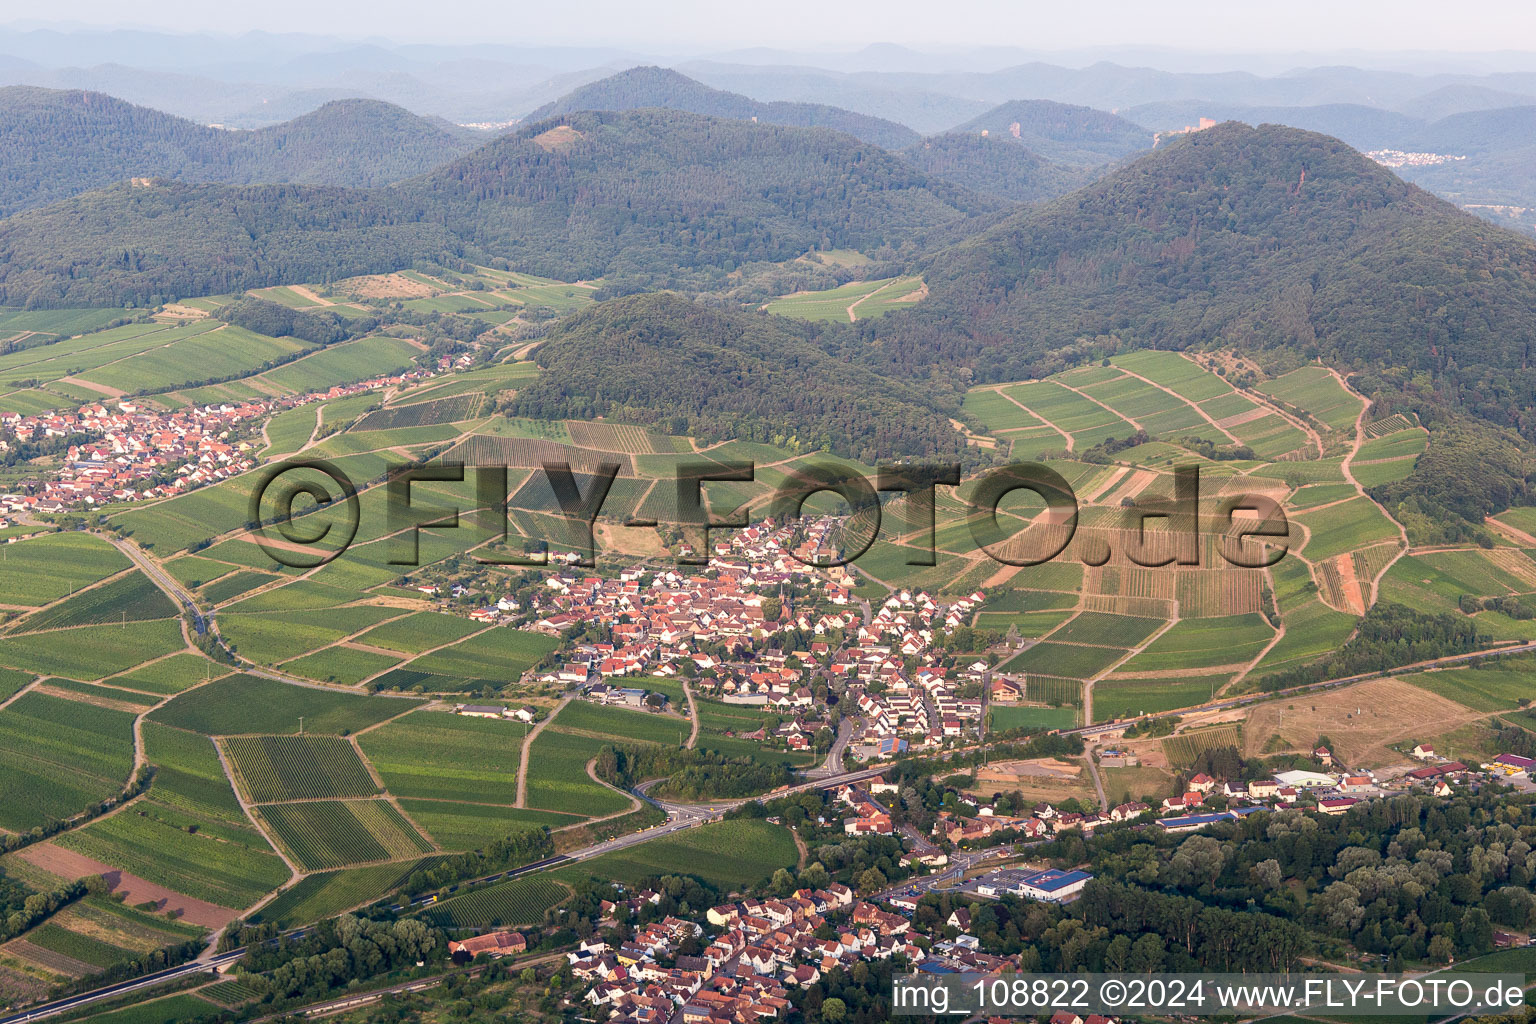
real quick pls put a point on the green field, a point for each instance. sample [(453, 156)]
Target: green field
[(329, 893), (290, 429), (91, 652), (1494, 688), (725, 854), (621, 725), (1343, 528), (1202, 643), (171, 675), (503, 654), (1103, 630), (1067, 660), (173, 1009), (343, 665), (297, 767), (195, 352), (471, 826), (558, 780), (272, 637), (232, 585), (57, 757), (1314, 389), (419, 632), (1001, 717), (65, 323), (343, 364), (449, 757), (241, 704), (43, 569), (874, 298), (1129, 698), (189, 774)]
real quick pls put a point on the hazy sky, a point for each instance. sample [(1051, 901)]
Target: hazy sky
[(1227, 25)]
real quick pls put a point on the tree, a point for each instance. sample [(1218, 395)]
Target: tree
[(872, 880), (834, 1009)]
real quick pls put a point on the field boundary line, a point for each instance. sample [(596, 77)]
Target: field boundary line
[(533, 734)]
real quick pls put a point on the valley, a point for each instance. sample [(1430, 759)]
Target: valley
[(450, 573)]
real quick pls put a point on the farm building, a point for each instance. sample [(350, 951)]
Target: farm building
[(1192, 822), (482, 711), (1305, 780), (492, 944)]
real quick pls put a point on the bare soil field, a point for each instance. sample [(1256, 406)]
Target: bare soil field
[(384, 286), (1361, 720), (68, 864)]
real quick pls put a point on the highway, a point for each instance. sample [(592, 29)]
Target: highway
[(123, 987)]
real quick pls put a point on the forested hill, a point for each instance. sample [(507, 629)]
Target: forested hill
[(665, 360), (56, 143), (995, 166), (1062, 132), (146, 242), (646, 198), (1264, 238), (642, 194), (643, 87)]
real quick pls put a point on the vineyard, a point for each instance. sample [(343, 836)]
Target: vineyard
[(251, 704), (532, 453), (57, 757), (274, 768), (1055, 692), (521, 901), (441, 410), (558, 780), (1185, 748), (128, 598), (611, 437), (333, 833)]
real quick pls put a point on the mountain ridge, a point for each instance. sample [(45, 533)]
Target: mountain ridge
[(652, 86), (58, 143)]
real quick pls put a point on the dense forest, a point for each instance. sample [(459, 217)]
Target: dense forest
[(649, 198), (57, 143), (1062, 132), (663, 196), (644, 87), (146, 243), (996, 166), (663, 360)]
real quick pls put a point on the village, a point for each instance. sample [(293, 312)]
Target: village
[(759, 627), (131, 452), (750, 955)]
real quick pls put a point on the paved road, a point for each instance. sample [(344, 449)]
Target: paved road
[(833, 763), (123, 987)]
